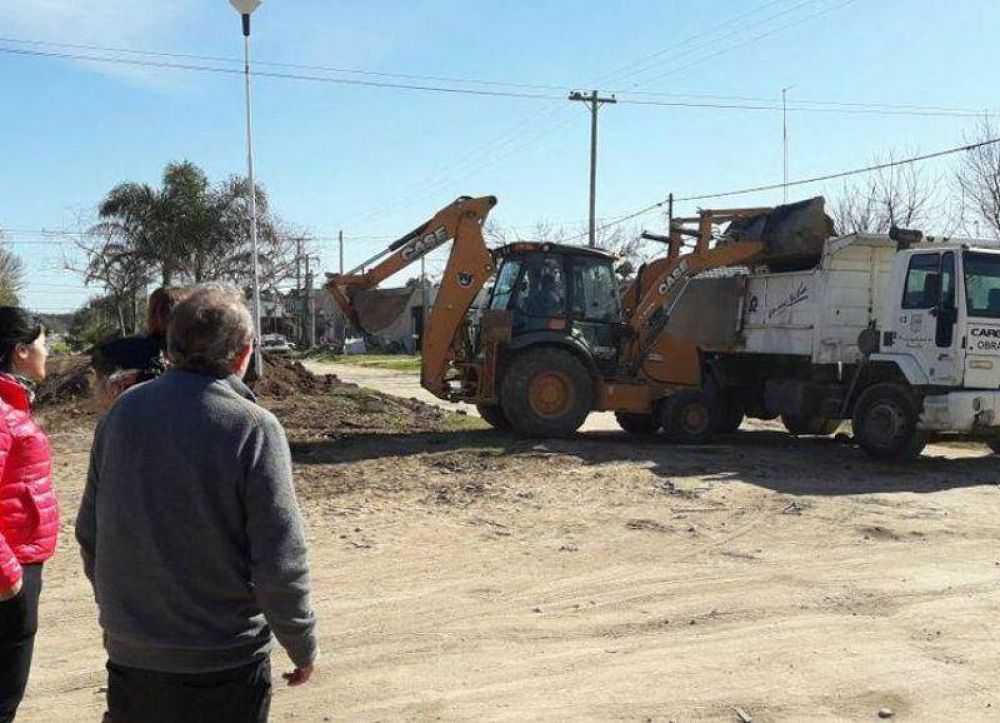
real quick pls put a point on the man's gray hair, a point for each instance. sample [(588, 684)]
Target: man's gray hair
[(208, 329)]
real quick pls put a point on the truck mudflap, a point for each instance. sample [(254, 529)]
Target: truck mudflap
[(967, 411)]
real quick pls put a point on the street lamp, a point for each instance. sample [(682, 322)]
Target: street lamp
[(245, 8)]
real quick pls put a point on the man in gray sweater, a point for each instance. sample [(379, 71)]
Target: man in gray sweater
[(191, 535)]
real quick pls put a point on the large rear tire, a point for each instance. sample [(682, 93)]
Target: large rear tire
[(689, 417), (546, 392), (805, 426), (493, 415), (885, 423), (638, 424)]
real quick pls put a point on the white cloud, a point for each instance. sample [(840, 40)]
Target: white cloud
[(141, 24)]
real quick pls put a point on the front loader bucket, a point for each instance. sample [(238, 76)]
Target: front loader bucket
[(792, 234), (378, 309)]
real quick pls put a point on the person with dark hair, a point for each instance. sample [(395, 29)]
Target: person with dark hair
[(191, 534), (123, 363), (29, 514)]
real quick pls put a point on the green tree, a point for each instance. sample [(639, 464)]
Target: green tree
[(189, 230)]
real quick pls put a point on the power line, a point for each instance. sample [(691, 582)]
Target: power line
[(844, 174), (285, 76), (761, 36), (801, 182), (274, 64)]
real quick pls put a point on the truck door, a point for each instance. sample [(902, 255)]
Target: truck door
[(925, 325), (948, 363)]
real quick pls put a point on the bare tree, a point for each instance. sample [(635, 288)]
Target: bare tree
[(903, 195), (977, 179), (11, 275), (111, 261)]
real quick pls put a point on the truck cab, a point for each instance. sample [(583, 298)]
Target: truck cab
[(941, 327)]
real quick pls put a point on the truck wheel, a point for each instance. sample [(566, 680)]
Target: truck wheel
[(493, 415), (546, 392), (802, 426), (640, 424), (689, 418), (730, 417), (885, 423)]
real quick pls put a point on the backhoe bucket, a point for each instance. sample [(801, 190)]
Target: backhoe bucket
[(378, 309)]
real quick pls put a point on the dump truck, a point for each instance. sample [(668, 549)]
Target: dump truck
[(554, 341), (896, 333)]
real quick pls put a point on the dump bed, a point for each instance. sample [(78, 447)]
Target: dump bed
[(817, 313)]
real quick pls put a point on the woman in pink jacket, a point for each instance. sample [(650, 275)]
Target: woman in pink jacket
[(29, 516)]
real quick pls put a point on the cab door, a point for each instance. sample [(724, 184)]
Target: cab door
[(926, 322), (595, 309)]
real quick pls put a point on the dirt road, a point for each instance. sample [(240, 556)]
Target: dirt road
[(467, 576)]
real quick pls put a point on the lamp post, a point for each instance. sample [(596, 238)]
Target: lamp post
[(245, 8)]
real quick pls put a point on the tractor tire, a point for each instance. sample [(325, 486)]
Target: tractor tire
[(546, 392), (689, 417), (809, 426), (493, 415), (885, 423), (730, 416), (638, 424)]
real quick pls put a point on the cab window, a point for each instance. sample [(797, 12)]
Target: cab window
[(923, 282), (542, 289), (595, 291), (982, 284), (504, 287)]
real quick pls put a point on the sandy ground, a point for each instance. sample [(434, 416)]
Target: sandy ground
[(468, 576)]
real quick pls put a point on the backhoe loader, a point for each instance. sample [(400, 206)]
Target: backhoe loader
[(556, 339)]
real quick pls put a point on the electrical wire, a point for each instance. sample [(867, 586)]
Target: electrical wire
[(801, 182)]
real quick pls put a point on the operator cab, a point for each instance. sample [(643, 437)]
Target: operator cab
[(566, 293)]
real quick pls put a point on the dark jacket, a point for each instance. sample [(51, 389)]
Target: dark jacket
[(190, 531)]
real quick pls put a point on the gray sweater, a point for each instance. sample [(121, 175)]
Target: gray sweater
[(190, 531)]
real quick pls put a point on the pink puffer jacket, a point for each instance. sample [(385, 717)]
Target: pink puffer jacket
[(29, 514)]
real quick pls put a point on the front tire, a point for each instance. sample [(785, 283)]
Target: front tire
[(885, 423), (638, 424), (689, 417), (546, 392), (493, 415)]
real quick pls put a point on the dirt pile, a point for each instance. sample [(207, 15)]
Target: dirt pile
[(311, 406), (68, 379), (284, 378)]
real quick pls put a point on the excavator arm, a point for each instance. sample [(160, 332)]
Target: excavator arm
[(469, 266)]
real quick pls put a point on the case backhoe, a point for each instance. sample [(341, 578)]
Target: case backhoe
[(557, 338)]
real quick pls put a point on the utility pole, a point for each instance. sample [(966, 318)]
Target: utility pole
[(784, 142), (340, 241), (310, 308), (298, 290), (594, 103)]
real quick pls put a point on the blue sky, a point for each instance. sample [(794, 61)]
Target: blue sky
[(377, 161)]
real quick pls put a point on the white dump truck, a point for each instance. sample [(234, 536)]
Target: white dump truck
[(898, 334)]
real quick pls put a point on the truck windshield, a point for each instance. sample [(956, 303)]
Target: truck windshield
[(982, 284)]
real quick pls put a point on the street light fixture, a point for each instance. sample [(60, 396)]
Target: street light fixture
[(246, 8)]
